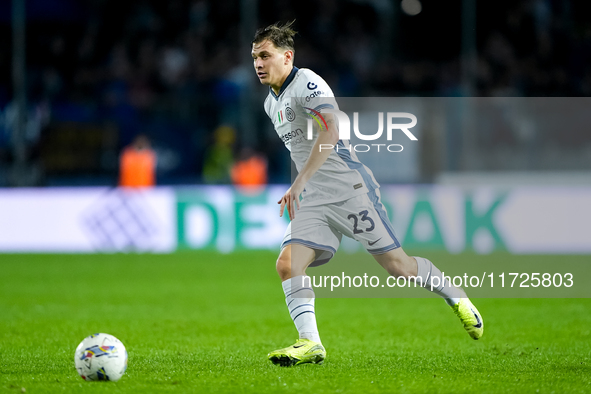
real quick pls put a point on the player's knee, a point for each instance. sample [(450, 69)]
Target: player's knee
[(284, 266)]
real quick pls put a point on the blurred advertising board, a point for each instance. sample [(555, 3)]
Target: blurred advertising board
[(87, 220), (520, 220)]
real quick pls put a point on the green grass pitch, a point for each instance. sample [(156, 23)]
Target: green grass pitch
[(204, 322)]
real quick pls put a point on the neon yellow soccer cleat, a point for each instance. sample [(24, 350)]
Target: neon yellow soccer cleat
[(470, 317), (302, 352)]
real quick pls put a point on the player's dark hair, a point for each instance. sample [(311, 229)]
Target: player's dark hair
[(280, 36)]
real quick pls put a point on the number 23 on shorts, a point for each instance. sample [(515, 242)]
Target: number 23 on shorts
[(363, 218)]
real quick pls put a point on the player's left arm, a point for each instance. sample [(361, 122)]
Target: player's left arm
[(317, 157)]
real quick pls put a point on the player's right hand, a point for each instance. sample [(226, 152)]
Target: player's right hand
[(290, 200)]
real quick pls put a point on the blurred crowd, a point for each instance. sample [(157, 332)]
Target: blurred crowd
[(175, 70)]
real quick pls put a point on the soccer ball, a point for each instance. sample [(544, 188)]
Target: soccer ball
[(101, 357)]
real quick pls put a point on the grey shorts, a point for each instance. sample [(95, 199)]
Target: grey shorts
[(322, 227)]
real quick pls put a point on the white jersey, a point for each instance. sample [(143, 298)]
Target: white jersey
[(342, 176)]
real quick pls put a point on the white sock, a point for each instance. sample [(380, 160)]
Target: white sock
[(427, 271), (299, 297)]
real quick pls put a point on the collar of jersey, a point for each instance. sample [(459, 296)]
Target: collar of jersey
[(288, 80)]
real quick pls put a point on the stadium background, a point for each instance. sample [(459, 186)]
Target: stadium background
[(97, 73)]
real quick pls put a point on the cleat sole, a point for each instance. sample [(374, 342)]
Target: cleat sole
[(287, 361), (284, 361)]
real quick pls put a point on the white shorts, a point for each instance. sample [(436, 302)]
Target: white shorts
[(322, 227)]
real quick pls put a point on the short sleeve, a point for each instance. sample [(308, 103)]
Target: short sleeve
[(313, 93)]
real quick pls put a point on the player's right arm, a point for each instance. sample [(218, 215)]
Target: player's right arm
[(317, 157)]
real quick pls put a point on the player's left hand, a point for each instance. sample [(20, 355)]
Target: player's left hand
[(291, 199)]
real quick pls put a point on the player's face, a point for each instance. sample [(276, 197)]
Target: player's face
[(271, 63)]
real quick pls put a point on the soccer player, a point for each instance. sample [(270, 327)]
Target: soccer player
[(339, 194)]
